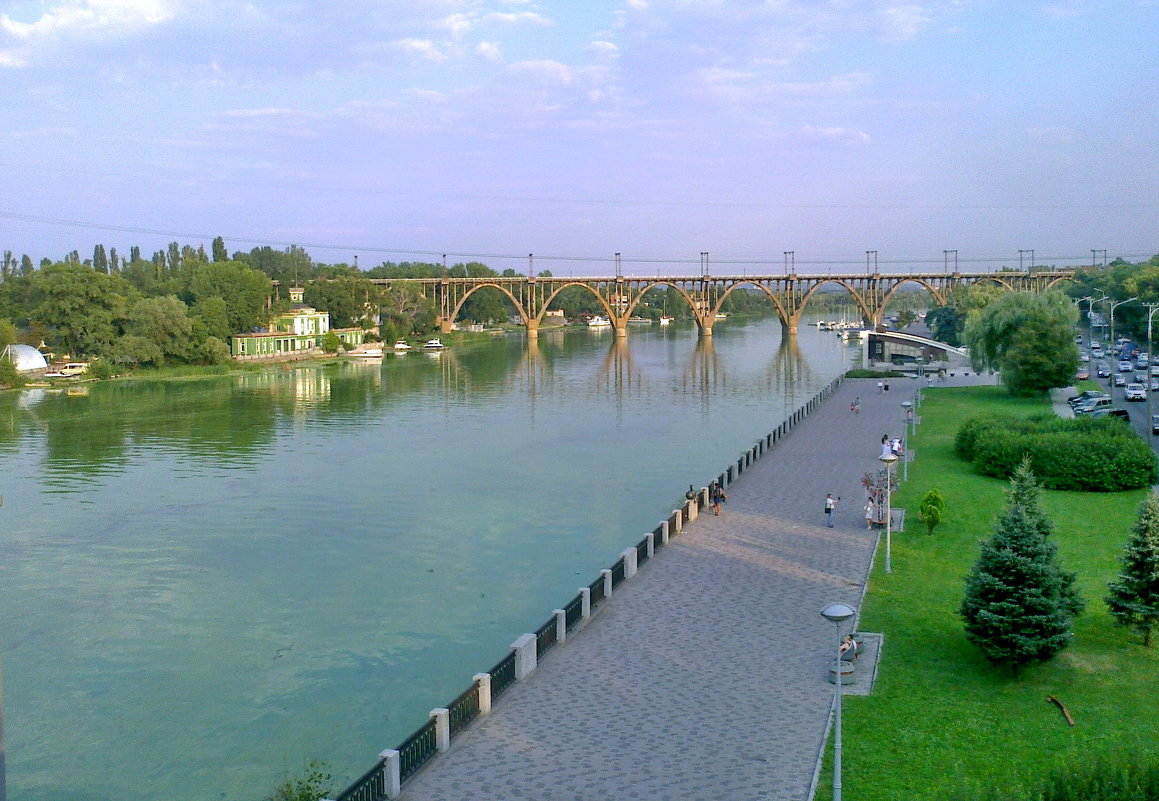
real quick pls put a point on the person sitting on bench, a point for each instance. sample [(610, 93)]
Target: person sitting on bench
[(848, 649)]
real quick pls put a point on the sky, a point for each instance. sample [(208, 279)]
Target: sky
[(396, 130)]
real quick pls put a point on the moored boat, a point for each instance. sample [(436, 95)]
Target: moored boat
[(401, 344), (666, 320), (597, 321), (434, 344)]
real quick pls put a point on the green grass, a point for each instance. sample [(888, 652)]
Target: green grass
[(941, 720)]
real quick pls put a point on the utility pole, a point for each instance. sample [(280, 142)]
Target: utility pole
[(790, 259), (868, 255)]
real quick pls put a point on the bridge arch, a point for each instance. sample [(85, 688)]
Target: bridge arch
[(782, 312), (939, 298), (648, 286), (858, 298), (484, 284), (560, 287)]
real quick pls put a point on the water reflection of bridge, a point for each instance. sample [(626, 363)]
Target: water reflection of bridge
[(705, 295)]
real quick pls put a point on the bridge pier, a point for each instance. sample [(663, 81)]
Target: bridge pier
[(789, 328), (445, 325), (621, 330), (533, 329)]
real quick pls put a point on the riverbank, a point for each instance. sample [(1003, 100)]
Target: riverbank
[(705, 675)]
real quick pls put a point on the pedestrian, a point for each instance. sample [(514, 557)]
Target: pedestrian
[(830, 504), (857, 405), (718, 497), (869, 513), (879, 387), (886, 386)]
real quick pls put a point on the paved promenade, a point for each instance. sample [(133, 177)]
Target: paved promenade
[(704, 677)]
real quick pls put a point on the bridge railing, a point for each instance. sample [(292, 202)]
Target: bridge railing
[(394, 766)]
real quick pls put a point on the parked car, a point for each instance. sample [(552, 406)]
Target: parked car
[(1085, 396), (1093, 404), (1120, 414), (1119, 380), (1135, 392)]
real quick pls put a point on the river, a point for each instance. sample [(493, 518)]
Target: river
[(204, 583)]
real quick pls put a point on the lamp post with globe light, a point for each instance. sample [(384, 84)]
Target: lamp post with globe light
[(837, 613), (888, 459), (1114, 306)]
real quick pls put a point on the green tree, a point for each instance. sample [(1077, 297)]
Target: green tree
[(100, 259), (243, 289), (1019, 602), (932, 510), (218, 249), (1028, 337), (350, 301), (1134, 595), (164, 322), (84, 308), (135, 351), (945, 325), (7, 333), (212, 350), (330, 342)]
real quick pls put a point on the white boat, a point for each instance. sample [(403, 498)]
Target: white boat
[(401, 344), (434, 344), (371, 353), (599, 322), (666, 320), (721, 316)]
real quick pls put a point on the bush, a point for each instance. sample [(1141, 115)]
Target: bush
[(1103, 780), (9, 375), (1088, 454), (103, 368), (314, 783)]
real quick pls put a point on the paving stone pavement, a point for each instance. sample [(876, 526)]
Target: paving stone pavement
[(703, 677)]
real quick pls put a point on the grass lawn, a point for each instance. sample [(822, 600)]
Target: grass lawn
[(941, 719)]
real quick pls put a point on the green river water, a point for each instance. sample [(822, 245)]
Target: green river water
[(204, 583)]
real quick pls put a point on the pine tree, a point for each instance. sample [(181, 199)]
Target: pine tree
[(1134, 597), (1019, 602)]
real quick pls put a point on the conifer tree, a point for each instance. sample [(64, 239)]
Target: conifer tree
[(1019, 602), (1134, 597)]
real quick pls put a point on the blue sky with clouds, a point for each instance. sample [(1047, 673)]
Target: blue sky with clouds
[(397, 129)]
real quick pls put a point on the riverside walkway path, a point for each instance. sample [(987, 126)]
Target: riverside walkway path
[(703, 677)]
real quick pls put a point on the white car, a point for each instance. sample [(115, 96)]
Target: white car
[(1084, 356), (1125, 366), (1135, 392)]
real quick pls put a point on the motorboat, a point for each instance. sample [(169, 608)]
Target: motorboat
[(434, 344), (666, 320), (402, 345), (597, 321), (370, 353)]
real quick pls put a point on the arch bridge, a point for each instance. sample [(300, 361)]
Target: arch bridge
[(619, 296)]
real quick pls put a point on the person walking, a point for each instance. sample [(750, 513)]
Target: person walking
[(718, 497), (870, 512), (830, 504)]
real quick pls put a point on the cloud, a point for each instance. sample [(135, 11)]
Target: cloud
[(75, 19), (421, 48), (833, 133), (545, 70), (489, 51), (904, 21), (605, 50), (517, 17)]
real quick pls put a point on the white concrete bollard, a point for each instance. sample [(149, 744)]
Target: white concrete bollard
[(526, 657), (484, 682), (629, 557), (651, 538), (663, 532), (691, 509), (392, 773), (560, 625), (679, 517), (442, 718), (585, 602), (607, 574)]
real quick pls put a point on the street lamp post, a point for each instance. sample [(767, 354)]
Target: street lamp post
[(888, 459), (837, 613), (1113, 307), (907, 424), (1151, 309)]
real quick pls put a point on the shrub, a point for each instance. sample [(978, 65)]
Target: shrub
[(9, 375), (1089, 454), (1101, 780), (932, 510), (313, 784)]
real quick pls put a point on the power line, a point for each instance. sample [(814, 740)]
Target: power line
[(438, 254)]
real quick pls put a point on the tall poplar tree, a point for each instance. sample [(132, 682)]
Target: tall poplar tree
[(1019, 602), (1134, 597)]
